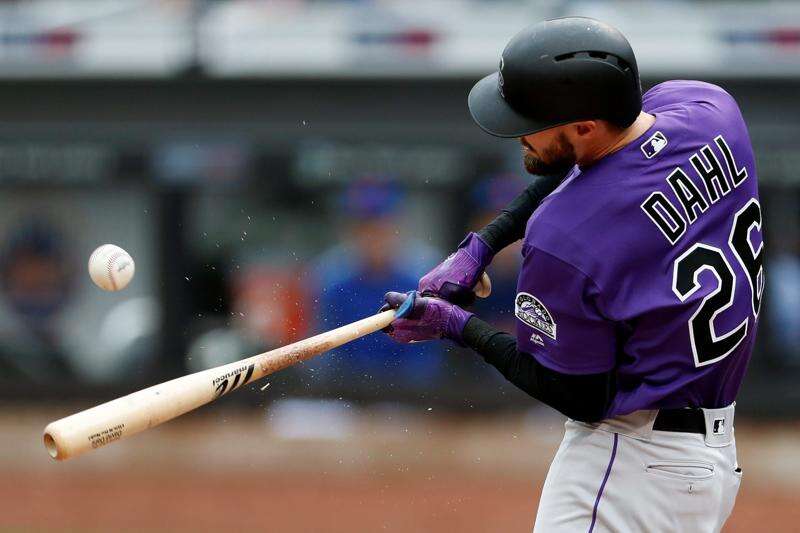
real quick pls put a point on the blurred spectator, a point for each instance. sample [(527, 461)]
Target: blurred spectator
[(352, 278), (269, 300), (36, 282), (783, 302)]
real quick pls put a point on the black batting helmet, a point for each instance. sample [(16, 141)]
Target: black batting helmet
[(559, 71)]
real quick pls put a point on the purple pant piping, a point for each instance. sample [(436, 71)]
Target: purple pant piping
[(603, 484)]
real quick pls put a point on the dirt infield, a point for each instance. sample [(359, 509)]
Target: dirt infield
[(215, 473), (263, 502)]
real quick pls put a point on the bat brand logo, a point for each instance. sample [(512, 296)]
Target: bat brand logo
[(532, 312), (107, 435), (220, 384), (652, 146)]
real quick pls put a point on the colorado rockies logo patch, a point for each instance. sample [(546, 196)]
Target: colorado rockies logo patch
[(531, 311)]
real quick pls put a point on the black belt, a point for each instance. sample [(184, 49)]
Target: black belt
[(681, 420)]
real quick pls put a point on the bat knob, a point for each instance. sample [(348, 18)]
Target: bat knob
[(484, 286)]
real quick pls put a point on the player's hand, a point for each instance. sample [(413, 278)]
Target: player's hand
[(455, 278), (427, 318)]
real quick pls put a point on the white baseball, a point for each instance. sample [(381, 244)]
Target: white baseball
[(111, 268)]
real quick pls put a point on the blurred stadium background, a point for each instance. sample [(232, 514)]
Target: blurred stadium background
[(274, 167)]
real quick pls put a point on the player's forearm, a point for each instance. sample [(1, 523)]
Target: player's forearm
[(580, 397), (509, 225)]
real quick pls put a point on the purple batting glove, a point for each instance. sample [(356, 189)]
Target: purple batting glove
[(455, 278), (428, 318)]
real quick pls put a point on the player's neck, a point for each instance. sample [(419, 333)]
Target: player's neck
[(614, 143)]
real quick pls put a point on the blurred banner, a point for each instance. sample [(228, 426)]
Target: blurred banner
[(465, 37), (395, 38), (52, 38)]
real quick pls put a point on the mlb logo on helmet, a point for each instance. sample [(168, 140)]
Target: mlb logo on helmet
[(500, 80), (654, 144)]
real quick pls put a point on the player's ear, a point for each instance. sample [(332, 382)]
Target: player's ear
[(585, 127)]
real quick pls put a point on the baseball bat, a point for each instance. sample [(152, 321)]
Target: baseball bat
[(147, 408)]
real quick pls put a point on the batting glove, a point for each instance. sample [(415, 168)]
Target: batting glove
[(426, 319), (455, 278)]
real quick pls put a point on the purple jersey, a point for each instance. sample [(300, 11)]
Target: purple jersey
[(648, 262)]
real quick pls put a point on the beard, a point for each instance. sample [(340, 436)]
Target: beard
[(556, 159)]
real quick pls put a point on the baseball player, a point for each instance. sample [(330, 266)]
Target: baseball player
[(638, 297)]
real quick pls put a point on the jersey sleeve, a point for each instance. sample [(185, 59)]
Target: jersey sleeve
[(559, 320)]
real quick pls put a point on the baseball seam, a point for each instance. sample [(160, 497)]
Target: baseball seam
[(97, 252), (109, 267)]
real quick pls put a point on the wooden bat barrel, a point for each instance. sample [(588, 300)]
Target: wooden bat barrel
[(147, 408)]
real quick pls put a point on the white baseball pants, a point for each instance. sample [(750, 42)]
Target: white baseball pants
[(622, 476)]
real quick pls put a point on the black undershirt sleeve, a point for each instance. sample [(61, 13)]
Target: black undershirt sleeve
[(584, 397), (509, 225)]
